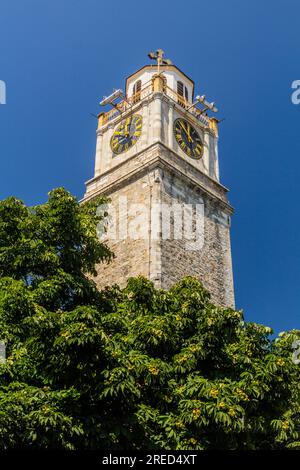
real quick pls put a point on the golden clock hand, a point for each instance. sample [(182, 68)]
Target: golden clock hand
[(189, 134), (183, 127), (186, 132), (128, 125)]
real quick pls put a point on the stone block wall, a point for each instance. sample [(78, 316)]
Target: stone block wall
[(140, 249), (131, 254), (211, 262)]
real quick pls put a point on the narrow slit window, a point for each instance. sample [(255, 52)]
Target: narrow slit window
[(180, 88), (186, 93), (183, 94), (137, 91)]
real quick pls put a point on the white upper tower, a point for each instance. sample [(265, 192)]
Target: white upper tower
[(160, 94)]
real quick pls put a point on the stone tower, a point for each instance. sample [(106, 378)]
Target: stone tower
[(157, 161)]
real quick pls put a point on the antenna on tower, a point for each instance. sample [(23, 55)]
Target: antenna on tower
[(207, 106), (210, 106), (111, 98)]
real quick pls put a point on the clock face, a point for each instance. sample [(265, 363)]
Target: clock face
[(126, 134), (188, 138)]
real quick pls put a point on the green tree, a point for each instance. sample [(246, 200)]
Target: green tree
[(133, 368)]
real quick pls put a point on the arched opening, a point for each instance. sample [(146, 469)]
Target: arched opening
[(182, 93), (136, 92)]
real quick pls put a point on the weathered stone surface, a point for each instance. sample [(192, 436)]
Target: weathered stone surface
[(151, 181)]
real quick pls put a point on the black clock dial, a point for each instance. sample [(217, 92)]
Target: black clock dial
[(188, 138), (126, 134)]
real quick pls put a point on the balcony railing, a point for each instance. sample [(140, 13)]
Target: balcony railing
[(184, 103), (144, 93)]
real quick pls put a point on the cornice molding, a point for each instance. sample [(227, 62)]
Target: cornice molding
[(158, 156)]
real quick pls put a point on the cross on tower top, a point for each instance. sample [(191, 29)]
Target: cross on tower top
[(159, 57)]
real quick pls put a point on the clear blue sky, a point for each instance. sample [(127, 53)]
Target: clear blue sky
[(59, 57)]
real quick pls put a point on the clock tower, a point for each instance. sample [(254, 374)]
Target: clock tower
[(157, 161)]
